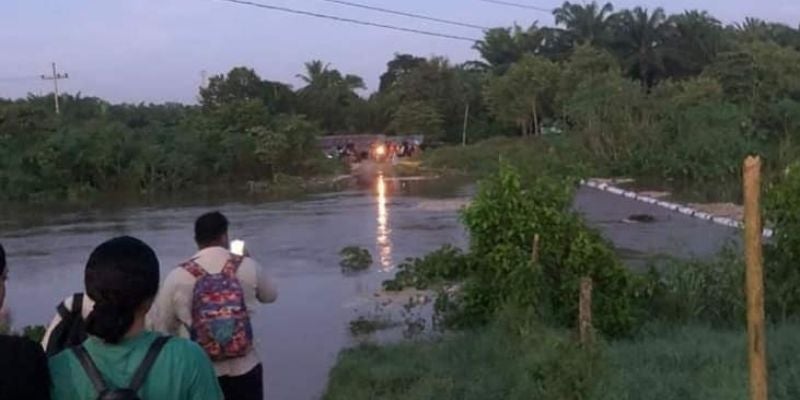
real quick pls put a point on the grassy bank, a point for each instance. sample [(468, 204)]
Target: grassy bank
[(524, 361), (533, 156), (675, 332)]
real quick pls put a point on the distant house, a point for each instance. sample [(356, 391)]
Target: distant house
[(363, 142)]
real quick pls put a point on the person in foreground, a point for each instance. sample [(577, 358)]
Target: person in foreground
[(123, 359), (23, 365), (210, 298)]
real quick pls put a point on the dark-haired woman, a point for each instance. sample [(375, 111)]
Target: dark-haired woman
[(23, 366), (122, 277)]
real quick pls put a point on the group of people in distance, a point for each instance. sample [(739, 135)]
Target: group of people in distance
[(123, 338)]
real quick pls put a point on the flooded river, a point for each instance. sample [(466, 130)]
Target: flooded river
[(298, 242)]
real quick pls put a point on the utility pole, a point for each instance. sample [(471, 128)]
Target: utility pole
[(203, 78), (55, 77), (466, 124)]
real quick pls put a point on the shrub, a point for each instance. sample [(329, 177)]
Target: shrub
[(699, 291), (502, 222), (445, 265), (783, 251), (355, 258)]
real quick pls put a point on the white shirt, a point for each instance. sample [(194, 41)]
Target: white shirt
[(172, 312)]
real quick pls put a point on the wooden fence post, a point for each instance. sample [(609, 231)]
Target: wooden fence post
[(535, 249), (756, 347), (585, 311)]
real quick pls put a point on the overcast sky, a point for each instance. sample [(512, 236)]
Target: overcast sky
[(155, 50)]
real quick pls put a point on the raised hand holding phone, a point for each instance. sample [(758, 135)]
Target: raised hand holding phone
[(238, 247)]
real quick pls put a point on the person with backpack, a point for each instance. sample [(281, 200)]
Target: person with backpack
[(121, 360), (23, 365), (211, 298)]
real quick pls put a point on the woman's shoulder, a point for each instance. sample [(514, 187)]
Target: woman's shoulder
[(183, 347)]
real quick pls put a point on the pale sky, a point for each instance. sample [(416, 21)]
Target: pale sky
[(155, 50)]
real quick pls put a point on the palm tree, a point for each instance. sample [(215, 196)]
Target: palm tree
[(502, 47), (587, 24), (499, 48), (316, 72), (752, 28), (328, 94), (695, 40), (639, 40)]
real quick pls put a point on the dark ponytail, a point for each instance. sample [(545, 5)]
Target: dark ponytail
[(122, 275)]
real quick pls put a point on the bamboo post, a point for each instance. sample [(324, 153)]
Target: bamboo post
[(585, 311), (535, 249), (756, 348)]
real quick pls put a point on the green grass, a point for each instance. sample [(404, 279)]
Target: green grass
[(694, 362), (524, 361), (504, 361), (532, 156)]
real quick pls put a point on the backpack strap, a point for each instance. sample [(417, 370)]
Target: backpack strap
[(144, 368), (91, 369), (196, 270), (77, 306), (232, 265)]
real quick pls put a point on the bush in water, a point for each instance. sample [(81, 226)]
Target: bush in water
[(445, 265), (355, 258)]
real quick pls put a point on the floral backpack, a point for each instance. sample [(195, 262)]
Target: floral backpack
[(220, 322)]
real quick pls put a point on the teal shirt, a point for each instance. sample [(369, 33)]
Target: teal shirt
[(181, 372)]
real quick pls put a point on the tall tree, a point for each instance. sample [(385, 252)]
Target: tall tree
[(402, 64), (523, 95), (696, 38), (329, 97), (587, 23), (639, 38), (240, 84), (501, 47)]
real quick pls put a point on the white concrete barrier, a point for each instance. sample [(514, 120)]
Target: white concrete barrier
[(670, 206)]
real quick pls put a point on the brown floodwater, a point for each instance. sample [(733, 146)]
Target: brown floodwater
[(298, 241)]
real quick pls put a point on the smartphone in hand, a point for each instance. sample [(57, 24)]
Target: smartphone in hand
[(237, 247)]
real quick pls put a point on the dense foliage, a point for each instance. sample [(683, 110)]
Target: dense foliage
[(499, 269), (99, 147), (634, 92), (782, 254)]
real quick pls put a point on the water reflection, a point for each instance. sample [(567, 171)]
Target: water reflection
[(384, 242)]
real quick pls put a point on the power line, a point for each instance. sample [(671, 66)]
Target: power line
[(518, 5), (352, 21), (408, 14), (18, 78)]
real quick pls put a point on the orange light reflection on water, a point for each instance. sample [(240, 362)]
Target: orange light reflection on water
[(384, 241)]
